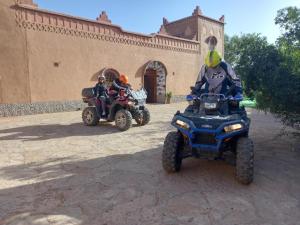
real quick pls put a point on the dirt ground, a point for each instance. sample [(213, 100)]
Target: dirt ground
[(55, 170)]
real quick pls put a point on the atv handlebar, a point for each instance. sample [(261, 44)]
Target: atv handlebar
[(222, 96)]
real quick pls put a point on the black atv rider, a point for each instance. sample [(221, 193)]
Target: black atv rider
[(217, 75), (101, 93)]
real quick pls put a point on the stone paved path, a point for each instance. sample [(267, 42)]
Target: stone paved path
[(54, 170)]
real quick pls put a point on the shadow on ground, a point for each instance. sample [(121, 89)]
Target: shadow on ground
[(53, 131), (133, 189), (118, 189)]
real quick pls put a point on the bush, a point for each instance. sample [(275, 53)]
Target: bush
[(271, 74)]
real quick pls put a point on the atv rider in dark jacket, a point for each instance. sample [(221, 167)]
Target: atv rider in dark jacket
[(216, 75), (100, 91), (120, 83)]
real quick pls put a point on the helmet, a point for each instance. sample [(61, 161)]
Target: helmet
[(123, 78), (101, 77), (211, 41), (213, 59)]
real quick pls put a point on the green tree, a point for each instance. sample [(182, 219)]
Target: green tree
[(289, 47), (254, 60), (289, 43), (289, 21), (271, 74)]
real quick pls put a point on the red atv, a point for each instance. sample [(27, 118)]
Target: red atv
[(122, 107)]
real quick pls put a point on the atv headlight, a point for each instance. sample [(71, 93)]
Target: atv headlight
[(233, 127), (208, 105), (182, 124)]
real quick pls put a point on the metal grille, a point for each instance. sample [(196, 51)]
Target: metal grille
[(205, 138)]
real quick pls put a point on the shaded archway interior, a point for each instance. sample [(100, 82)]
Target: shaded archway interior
[(110, 75), (155, 81)]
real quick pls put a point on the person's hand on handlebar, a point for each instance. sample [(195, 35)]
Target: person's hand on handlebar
[(238, 97)]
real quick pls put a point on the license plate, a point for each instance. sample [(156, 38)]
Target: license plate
[(210, 105)]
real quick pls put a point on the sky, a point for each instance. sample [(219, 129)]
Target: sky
[(241, 16)]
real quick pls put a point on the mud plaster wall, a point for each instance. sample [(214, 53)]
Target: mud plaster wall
[(79, 59), (14, 76), (67, 56), (53, 63), (185, 28)]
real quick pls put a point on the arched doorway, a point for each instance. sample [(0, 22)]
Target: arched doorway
[(155, 81), (110, 75)]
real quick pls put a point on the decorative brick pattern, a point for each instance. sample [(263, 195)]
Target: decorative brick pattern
[(44, 21), (7, 110)]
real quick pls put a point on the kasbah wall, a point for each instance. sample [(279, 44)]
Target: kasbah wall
[(46, 58)]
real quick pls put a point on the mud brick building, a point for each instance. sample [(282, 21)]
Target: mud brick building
[(46, 58)]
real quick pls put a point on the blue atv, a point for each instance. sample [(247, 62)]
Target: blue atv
[(213, 126)]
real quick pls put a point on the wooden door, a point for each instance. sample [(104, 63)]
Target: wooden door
[(150, 84)]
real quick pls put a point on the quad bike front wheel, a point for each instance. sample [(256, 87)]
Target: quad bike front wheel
[(244, 160), (90, 117), (143, 118), (171, 160), (123, 119)]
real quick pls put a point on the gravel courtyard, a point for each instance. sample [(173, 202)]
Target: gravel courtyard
[(55, 170)]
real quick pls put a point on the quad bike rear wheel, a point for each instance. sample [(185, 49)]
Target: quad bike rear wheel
[(171, 160), (123, 119), (144, 118), (90, 117), (244, 160)]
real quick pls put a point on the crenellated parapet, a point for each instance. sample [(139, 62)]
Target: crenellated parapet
[(26, 2), (222, 19), (103, 18), (32, 18), (197, 11), (190, 27)]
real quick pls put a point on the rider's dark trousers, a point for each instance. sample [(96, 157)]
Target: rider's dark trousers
[(101, 106)]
